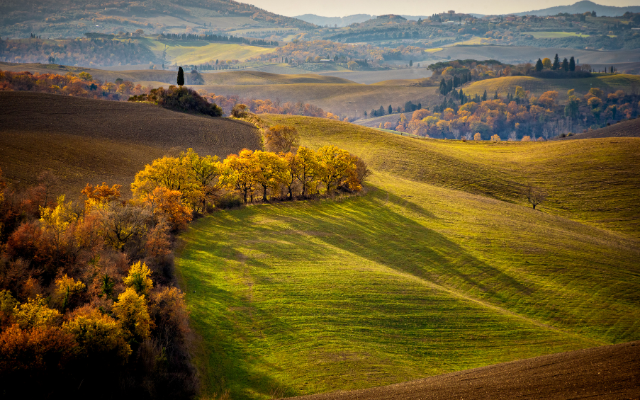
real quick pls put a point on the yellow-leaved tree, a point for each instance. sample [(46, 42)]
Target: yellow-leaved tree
[(271, 171), (133, 315), (336, 165), (35, 313), (241, 173), (98, 334), (66, 288), (138, 278)]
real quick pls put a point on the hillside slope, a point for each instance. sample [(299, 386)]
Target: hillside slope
[(621, 129), (582, 7), (440, 267), (610, 372), (90, 141)]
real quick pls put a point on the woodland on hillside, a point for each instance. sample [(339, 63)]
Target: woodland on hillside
[(87, 288)]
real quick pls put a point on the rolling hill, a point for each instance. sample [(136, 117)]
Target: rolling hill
[(582, 7), (93, 141), (439, 267), (629, 128), (68, 18)]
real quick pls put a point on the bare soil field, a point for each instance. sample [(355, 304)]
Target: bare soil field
[(629, 128), (90, 141), (609, 372)]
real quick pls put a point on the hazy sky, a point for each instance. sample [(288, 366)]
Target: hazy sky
[(340, 8)]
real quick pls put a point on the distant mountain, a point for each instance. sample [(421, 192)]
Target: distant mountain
[(333, 21), (582, 7)]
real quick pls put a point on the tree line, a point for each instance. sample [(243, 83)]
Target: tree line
[(80, 85), (210, 37)]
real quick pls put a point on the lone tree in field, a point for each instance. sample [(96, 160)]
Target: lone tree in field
[(535, 196), (180, 77)]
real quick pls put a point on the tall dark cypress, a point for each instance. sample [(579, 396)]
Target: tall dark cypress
[(180, 77), (572, 64)]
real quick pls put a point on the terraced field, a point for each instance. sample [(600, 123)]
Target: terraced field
[(440, 266)]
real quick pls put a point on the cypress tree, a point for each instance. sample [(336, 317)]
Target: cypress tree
[(565, 65), (180, 77), (556, 63), (539, 65), (390, 110), (572, 64), (484, 95), (495, 97)]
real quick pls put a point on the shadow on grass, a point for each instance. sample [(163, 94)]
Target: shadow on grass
[(364, 226)]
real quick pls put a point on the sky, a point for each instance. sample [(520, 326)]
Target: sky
[(341, 8)]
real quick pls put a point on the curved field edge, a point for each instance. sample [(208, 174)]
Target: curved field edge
[(410, 280)]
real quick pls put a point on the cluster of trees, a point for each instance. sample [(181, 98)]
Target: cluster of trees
[(88, 305), (409, 106), (76, 52), (80, 85), (211, 37), (179, 99), (520, 115), (285, 172)]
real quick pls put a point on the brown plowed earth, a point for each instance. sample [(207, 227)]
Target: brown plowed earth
[(630, 128), (91, 141), (608, 372)]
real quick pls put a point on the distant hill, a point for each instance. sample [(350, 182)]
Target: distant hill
[(69, 18), (332, 21), (582, 7)]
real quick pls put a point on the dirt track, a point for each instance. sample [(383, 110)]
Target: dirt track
[(609, 372)]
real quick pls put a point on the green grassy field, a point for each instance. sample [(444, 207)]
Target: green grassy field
[(201, 52), (554, 35), (537, 85), (440, 266)]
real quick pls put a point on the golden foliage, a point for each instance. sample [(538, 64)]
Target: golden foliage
[(138, 278), (97, 333), (35, 313), (65, 288), (133, 315)]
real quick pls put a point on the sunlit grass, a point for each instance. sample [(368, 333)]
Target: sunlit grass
[(440, 266)]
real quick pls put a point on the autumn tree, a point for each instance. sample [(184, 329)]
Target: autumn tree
[(309, 169), (240, 173), (281, 138), (133, 315), (138, 278), (271, 171), (336, 165)]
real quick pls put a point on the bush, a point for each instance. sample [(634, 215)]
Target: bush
[(239, 111), (180, 99), (228, 200)]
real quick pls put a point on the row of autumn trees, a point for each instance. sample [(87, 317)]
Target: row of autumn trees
[(80, 85), (291, 173), (520, 114)]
